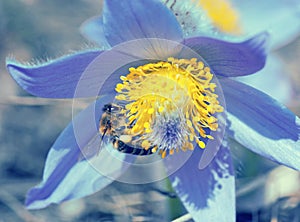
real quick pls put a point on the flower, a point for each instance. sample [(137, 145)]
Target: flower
[(164, 90)]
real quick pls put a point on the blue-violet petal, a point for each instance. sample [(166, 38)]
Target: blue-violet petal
[(54, 79), (261, 124), (128, 20), (231, 59), (208, 194)]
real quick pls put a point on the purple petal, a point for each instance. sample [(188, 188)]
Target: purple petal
[(84, 74), (261, 124), (128, 20), (53, 79), (208, 194), (92, 29), (231, 59), (68, 174)]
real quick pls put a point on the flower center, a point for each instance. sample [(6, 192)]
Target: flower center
[(169, 106)]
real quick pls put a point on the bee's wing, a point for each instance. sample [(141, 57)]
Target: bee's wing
[(92, 148)]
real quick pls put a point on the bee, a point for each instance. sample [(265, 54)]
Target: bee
[(113, 125), (110, 119)]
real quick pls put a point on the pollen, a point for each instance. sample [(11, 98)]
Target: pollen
[(147, 125), (150, 111), (125, 138), (169, 105), (161, 109), (146, 144)]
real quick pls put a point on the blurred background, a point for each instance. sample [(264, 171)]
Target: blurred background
[(36, 30)]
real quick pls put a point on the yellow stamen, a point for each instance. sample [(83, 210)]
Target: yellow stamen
[(148, 130), (171, 151), (178, 92), (154, 149), (161, 109), (147, 125), (201, 144), (150, 111), (164, 154), (190, 146)]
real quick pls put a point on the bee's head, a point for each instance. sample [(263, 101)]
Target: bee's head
[(110, 108)]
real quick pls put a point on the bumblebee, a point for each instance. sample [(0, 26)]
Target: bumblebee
[(113, 125)]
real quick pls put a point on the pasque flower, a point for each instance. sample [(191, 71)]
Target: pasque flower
[(163, 93)]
